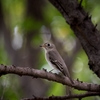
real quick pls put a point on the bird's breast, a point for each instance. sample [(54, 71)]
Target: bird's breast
[(49, 62)]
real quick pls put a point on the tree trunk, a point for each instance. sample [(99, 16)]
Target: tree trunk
[(86, 32)]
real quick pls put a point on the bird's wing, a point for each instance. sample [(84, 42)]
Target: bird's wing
[(53, 57)]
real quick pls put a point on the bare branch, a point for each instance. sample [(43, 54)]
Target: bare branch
[(88, 94), (49, 76)]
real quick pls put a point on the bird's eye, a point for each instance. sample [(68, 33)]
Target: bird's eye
[(48, 44)]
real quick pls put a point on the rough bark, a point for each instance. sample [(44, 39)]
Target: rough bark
[(78, 96), (34, 73), (80, 22)]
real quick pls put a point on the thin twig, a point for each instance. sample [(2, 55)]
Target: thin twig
[(88, 94)]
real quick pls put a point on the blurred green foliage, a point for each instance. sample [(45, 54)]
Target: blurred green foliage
[(14, 15), (14, 12), (4, 59)]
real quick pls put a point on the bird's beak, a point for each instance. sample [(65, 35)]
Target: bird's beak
[(42, 46)]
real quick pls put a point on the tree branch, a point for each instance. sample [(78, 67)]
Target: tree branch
[(83, 28), (49, 76), (79, 96)]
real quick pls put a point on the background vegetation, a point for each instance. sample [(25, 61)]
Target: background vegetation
[(24, 25)]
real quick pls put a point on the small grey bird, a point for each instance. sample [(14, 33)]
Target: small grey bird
[(55, 60)]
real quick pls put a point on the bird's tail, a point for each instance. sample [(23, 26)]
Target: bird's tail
[(68, 75)]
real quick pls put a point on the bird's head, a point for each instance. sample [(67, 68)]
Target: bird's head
[(48, 46)]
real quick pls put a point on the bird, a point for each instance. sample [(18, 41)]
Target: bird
[(55, 60)]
